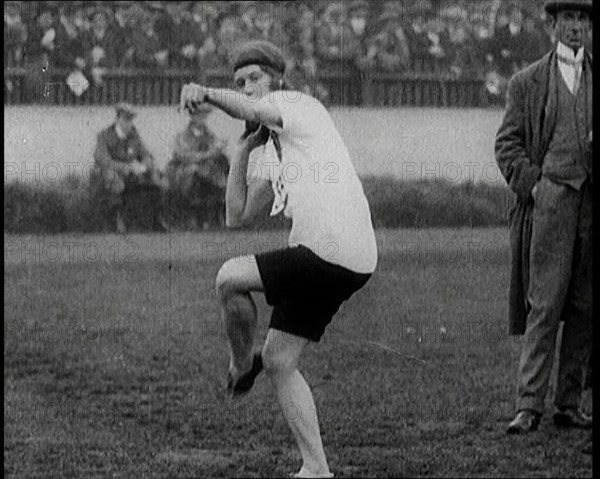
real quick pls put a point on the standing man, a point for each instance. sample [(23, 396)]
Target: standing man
[(332, 250), (544, 150), (123, 163)]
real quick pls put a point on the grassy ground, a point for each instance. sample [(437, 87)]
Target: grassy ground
[(115, 363)]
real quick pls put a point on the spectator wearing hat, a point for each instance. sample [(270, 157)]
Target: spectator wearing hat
[(123, 164), (168, 27), (146, 50), (335, 41), (388, 46), (198, 171), (50, 46), (544, 150), (15, 34), (198, 44), (101, 50), (359, 18)]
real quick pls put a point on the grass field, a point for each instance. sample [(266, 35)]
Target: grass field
[(115, 364)]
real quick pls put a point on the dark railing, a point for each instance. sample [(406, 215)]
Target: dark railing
[(163, 88)]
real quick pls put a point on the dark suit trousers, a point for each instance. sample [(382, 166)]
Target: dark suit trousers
[(560, 288)]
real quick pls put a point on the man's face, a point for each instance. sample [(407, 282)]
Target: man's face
[(358, 20), (572, 27), (252, 81), (125, 123)]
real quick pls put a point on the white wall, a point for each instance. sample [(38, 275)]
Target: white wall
[(44, 143)]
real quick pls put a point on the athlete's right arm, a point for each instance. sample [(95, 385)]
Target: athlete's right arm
[(245, 200)]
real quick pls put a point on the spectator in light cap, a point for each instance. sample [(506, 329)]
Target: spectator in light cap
[(123, 162)]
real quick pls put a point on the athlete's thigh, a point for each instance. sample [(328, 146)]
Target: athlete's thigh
[(240, 274)]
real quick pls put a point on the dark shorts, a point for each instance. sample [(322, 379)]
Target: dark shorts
[(305, 290)]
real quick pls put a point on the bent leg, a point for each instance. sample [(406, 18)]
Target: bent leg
[(281, 354), (235, 280)]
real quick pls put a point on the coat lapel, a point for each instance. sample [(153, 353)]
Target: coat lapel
[(547, 103)]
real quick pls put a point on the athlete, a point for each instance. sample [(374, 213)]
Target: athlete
[(301, 167)]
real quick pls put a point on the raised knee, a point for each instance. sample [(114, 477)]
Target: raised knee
[(225, 282)]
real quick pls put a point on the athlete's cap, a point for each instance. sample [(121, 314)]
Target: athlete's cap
[(259, 52)]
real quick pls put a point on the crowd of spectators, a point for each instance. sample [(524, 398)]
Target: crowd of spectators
[(462, 39)]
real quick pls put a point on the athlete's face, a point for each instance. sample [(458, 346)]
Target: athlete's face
[(252, 81)]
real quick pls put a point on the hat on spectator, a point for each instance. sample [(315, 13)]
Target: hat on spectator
[(125, 109), (259, 52), (554, 6)]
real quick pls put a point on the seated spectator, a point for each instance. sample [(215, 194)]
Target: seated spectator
[(198, 172), (126, 23), (299, 25), (418, 42), (168, 27), (15, 34), (336, 45), (198, 43), (262, 21), (462, 59), (359, 17), (101, 49), (51, 45), (125, 168), (388, 45), (146, 51), (229, 34)]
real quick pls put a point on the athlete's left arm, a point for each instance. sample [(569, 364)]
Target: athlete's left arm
[(234, 103)]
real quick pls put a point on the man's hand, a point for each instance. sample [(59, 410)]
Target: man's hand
[(192, 95)]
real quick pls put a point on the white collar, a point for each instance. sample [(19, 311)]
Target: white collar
[(567, 53), (120, 133)]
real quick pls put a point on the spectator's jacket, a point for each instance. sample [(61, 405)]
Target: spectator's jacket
[(63, 52), (145, 47), (15, 37), (521, 145), (113, 152)]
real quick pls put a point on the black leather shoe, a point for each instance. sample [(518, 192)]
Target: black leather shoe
[(572, 418), (244, 383), (525, 421)]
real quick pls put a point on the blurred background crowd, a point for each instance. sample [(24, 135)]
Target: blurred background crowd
[(462, 39)]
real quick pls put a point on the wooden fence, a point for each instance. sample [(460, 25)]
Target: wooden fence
[(164, 87)]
